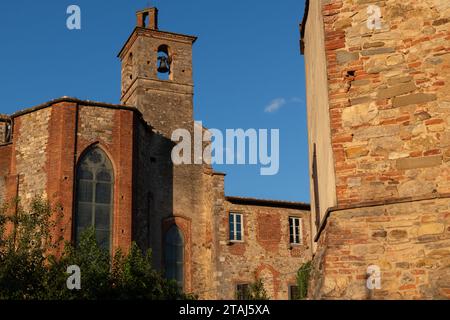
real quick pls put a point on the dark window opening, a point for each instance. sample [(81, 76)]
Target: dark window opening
[(294, 293), (94, 197), (8, 132), (174, 256), (129, 65), (242, 291)]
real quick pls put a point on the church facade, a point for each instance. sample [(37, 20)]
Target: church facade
[(109, 166)]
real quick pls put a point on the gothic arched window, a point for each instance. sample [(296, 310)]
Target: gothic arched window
[(94, 197), (174, 255)]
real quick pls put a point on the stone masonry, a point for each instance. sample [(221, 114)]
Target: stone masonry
[(388, 108)]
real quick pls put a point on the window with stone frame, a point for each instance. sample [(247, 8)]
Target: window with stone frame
[(174, 255), (94, 196), (235, 227), (242, 291), (8, 132), (295, 230), (293, 292)]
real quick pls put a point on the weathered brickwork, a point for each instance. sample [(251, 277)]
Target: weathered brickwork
[(177, 192), (4, 120), (389, 119), (5, 153), (31, 139), (48, 142), (96, 124), (265, 252), (388, 94), (410, 242)]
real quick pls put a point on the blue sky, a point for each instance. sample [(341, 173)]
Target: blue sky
[(248, 71)]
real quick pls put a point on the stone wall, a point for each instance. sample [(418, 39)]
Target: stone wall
[(31, 136), (2, 131), (5, 158), (178, 192), (389, 118), (388, 92), (409, 242), (112, 128), (265, 253), (47, 143)]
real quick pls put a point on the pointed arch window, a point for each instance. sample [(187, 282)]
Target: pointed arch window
[(174, 255), (94, 196)]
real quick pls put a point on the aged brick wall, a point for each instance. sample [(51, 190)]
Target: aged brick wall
[(265, 253), (31, 136), (388, 101), (177, 192), (2, 130), (113, 129), (409, 242), (48, 142), (214, 201), (143, 187), (5, 158)]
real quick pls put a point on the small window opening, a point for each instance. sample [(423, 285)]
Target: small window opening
[(146, 19), (8, 132), (242, 291), (129, 66), (294, 293)]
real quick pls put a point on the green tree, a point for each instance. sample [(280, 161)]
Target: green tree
[(303, 276), (28, 271), (24, 250), (257, 291)]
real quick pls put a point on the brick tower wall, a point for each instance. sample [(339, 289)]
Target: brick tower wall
[(388, 105)]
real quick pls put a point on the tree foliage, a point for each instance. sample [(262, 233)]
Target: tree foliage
[(257, 291), (303, 276), (29, 270)]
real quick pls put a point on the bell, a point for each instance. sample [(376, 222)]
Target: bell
[(163, 65)]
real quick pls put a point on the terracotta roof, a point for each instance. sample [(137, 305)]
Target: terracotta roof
[(269, 203), (4, 117)]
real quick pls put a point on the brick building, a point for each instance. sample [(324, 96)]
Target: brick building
[(378, 82), (109, 166)]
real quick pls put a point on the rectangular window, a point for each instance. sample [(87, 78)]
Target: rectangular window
[(235, 224), (242, 291), (295, 230), (8, 133), (293, 293)]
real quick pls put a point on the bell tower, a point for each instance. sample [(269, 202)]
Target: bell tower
[(157, 74)]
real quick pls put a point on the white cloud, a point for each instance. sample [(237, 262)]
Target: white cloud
[(275, 105)]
